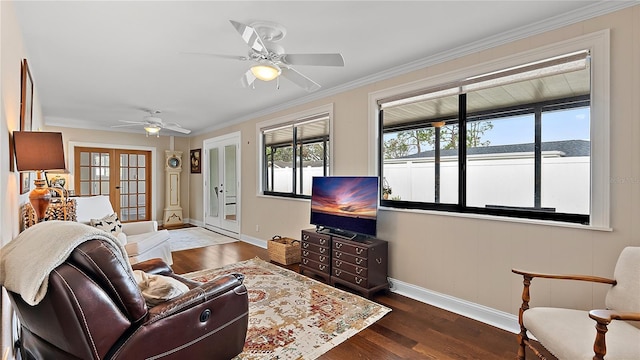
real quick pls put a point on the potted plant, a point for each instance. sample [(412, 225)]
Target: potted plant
[(386, 190)]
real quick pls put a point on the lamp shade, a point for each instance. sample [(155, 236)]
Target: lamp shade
[(38, 150)]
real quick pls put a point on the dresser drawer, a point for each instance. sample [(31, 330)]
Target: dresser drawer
[(315, 238), (348, 267), (315, 266), (322, 250), (321, 258), (348, 258), (348, 248), (354, 279)]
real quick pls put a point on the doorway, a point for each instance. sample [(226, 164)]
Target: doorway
[(221, 169), (123, 175)]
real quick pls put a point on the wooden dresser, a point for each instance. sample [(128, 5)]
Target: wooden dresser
[(315, 254), (360, 265)]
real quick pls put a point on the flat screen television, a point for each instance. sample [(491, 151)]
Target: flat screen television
[(345, 205)]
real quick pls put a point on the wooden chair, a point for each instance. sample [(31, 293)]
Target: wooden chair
[(573, 334)]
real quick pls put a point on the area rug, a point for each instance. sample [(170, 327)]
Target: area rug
[(195, 237), (292, 316)]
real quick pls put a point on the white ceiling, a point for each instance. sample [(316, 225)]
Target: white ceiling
[(97, 62)]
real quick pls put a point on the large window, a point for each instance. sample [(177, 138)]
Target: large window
[(293, 153), (514, 142)]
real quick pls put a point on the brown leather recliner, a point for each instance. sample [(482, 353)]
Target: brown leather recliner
[(94, 309)]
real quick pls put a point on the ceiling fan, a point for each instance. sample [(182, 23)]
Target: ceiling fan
[(152, 124), (270, 58)]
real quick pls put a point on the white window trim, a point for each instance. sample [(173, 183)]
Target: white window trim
[(287, 119), (598, 44)]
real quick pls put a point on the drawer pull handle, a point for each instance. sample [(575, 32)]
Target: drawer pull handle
[(358, 280), (338, 254), (359, 271), (338, 245), (322, 250), (359, 251), (305, 236), (305, 261), (379, 260), (322, 258), (338, 272), (358, 261), (321, 267), (305, 253), (305, 245), (338, 262), (323, 241)]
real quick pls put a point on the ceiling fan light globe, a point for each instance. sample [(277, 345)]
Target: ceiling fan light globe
[(266, 72), (151, 129)]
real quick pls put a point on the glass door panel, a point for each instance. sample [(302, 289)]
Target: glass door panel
[(122, 175)]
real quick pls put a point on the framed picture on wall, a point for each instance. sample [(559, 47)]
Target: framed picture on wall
[(195, 161), (26, 117)]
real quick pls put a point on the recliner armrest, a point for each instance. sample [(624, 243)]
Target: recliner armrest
[(139, 227), (154, 266), (205, 292)]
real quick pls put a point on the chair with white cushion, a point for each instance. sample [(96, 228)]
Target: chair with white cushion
[(612, 333), (141, 239)]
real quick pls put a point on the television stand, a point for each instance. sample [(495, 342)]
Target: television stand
[(360, 265)]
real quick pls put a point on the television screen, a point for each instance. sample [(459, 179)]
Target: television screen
[(345, 203)]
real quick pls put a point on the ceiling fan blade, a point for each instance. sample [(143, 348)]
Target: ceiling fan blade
[(247, 79), (222, 56), (117, 126), (132, 122), (250, 36), (300, 80), (177, 128), (314, 59)]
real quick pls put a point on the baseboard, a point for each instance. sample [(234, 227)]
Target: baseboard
[(254, 241), (487, 315)]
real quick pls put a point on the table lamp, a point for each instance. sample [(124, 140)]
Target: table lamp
[(39, 151)]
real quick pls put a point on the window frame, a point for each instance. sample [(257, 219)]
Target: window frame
[(598, 45), (292, 119)]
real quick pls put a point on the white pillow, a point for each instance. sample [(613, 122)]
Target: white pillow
[(157, 289), (109, 223)]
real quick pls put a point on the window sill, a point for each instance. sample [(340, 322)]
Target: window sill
[(499, 218)]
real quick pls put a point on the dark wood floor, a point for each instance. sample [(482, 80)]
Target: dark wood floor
[(413, 330)]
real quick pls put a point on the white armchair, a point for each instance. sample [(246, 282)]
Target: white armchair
[(142, 240), (584, 335)]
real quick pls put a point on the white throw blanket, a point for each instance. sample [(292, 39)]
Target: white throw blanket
[(27, 260)]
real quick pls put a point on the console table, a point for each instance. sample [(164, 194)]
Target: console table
[(360, 265), (57, 210)]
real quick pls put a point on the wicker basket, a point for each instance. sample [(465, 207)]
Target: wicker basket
[(285, 251)]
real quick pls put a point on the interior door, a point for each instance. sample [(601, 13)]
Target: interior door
[(221, 169), (123, 175)]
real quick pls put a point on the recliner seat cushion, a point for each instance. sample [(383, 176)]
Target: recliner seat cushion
[(569, 334)]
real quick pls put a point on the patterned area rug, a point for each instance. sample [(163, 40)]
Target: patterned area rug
[(195, 237), (292, 316)]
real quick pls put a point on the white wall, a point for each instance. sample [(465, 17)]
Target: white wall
[(506, 182)]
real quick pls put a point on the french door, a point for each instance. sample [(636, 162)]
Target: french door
[(221, 170), (123, 175)]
